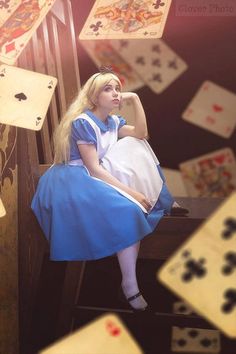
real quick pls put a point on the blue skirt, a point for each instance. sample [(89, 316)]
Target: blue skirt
[(86, 219)]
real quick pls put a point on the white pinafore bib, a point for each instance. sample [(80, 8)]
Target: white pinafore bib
[(130, 160)]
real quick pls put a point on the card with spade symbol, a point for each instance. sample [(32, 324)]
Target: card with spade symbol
[(2, 209), (24, 97), (105, 335), (203, 270), (213, 108)]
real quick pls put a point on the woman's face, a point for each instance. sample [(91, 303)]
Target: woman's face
[(110, 96)]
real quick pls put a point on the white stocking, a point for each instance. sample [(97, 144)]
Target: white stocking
[(127, 260)]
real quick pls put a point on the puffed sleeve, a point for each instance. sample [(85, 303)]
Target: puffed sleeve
[(82, 132), (122, 122)]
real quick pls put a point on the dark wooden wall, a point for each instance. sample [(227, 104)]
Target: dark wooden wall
[(208, 45)]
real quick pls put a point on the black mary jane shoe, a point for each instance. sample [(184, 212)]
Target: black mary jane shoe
[(178, 211), (124, 299)]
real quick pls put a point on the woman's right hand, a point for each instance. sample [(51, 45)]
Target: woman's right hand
[(142, 200)]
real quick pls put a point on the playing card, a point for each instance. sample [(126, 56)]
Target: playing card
[(195, 340), (105, 335), (153, 60), (202, 271), (210, 175), (174, 182), (18, 21), (2, 209), (181, 308), (24, 97), (126, 19), (102, 53), (213, 108)]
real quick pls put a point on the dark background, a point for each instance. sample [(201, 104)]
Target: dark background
[(208, 45)]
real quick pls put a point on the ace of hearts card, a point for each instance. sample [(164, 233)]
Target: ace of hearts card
[(24, 97), (124, 19), (105, 335), (19, 19)]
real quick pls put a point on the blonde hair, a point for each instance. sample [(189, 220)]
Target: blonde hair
[(84, 100)]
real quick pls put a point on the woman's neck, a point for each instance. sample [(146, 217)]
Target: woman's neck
[(101, 114)]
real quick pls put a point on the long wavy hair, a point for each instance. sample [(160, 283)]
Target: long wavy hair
[(85, 99)]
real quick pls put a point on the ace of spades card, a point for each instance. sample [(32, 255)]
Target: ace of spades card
[(105, 335), (213, 108), (2, 209), (24, 97), (153, 60), (202, 271), (126, 19), (19, 19)]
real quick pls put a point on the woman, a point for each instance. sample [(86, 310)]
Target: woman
[(86, 210)]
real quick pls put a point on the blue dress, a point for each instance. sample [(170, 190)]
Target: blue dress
[(82, 217)]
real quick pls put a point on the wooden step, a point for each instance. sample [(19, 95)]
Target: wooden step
[(172, 231)]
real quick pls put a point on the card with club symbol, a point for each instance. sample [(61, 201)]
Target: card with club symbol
[(154, 61), (24, 97), (202, 271), (213, 108), (105, 335), (126, 19)]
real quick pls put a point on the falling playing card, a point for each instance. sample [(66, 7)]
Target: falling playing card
[(195, 340), (210, 175), (102, 53), (24, 97), (105, 335), (153, 60), (2, 209), (213, 108), (202, 271), (181, 308), (126, 19), (19, 19), (174, 182)]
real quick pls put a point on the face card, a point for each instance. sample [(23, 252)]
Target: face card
[(210, 175), (153, 60), (174, 182), (195, 340), (102, 53), (18, 21), (124, 19), (24, 97), (202, 271), (213, 108), (105, 335), (2, 209)]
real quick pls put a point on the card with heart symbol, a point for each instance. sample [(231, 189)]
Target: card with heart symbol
[(24, 97), (105, 335), (213, 108)]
